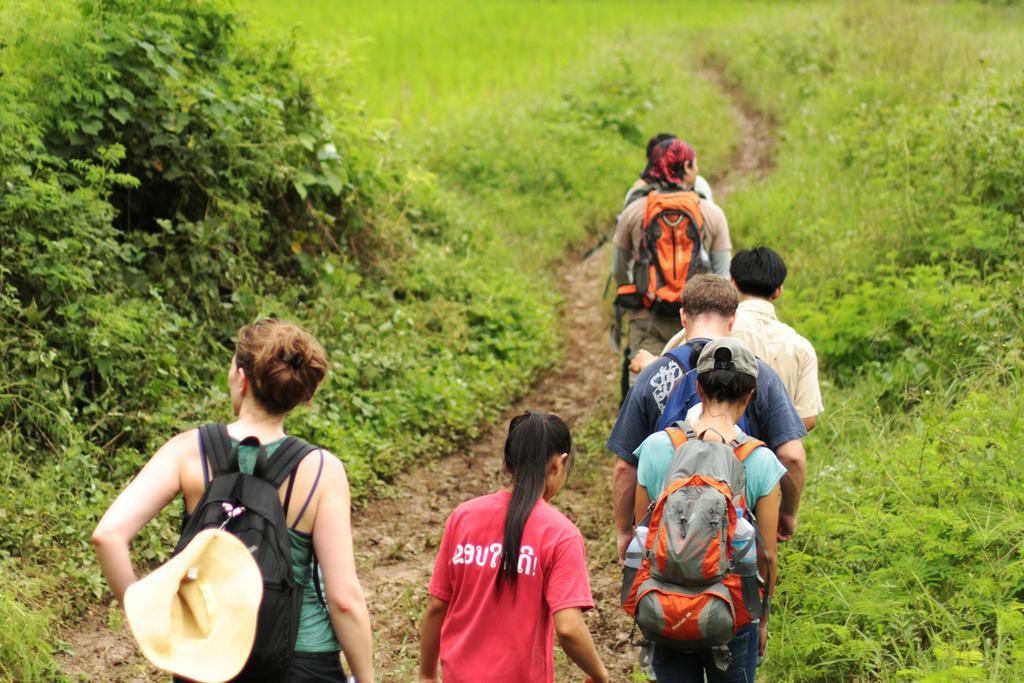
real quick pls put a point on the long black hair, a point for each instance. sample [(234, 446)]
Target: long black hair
[(532, 439)]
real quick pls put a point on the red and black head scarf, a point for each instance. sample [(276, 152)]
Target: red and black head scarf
[(667, 162)]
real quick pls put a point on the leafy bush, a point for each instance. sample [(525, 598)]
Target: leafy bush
[(904, 246), (908, 562), (168, 180)]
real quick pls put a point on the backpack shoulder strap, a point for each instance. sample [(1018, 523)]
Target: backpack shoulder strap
[(686, 354), (744, 448), (633, 195), (680, 433), (215, 443), (677, 435), (286, 458), (316, 582)]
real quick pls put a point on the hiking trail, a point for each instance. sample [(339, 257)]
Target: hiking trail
[(396, 538)]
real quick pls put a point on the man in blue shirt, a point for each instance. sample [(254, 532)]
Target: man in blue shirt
[(708, 311)]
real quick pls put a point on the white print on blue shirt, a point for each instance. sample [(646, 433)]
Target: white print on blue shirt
[(663, 381), (490, 555)]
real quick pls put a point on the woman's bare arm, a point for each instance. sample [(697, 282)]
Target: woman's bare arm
[(149, 493), (332, 540), (640, 503), (767, 511), (574, 637)]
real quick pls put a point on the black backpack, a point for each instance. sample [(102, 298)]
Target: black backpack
[(247, 505)]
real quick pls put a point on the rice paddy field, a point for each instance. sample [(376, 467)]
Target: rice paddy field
[(423, 64)]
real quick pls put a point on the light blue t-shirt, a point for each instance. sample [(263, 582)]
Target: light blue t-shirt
[(762, 468)]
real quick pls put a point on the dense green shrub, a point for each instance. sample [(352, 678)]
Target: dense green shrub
[(168, 179), (908, 563), (904, 247)]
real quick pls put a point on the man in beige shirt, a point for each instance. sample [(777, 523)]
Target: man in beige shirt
[(758, 275), (672, 168)]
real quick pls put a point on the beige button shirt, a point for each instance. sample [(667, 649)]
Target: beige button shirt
[(781, 347)]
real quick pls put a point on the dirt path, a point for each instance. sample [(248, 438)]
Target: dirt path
[(581, 389), (396, 538)]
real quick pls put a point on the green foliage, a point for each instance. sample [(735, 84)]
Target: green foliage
[(23, 640), (168, 179), (904, 245), (908, 563), (409, 69)]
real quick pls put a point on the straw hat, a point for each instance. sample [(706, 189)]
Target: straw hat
[(195, 616)]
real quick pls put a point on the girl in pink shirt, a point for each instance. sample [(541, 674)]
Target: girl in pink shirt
[(511, 573)]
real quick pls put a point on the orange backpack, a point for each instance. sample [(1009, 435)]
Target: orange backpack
[(672, 250), (690, 591)]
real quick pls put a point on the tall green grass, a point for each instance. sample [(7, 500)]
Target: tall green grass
[(424, 64), (897, 203)]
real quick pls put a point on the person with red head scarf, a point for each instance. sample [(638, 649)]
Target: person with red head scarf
[(643, 185), (671, 168)]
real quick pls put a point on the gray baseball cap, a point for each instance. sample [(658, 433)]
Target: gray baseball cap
[(727, 353)]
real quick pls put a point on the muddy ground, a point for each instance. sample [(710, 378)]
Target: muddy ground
[(396, 538)]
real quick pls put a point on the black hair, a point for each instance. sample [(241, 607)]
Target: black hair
[(723, 385), (657, 140), (758, 271), (532, 439)]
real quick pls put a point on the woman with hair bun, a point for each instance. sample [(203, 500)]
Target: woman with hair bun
[(276, 367), (511, 572)]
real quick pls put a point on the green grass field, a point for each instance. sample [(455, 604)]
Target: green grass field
[(490, 137), (423, 65)]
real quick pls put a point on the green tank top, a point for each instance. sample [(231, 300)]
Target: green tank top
[(315, 631)]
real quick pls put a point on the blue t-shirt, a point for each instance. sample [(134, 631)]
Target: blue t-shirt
[(770, 417), (762, 468), (642, 407)]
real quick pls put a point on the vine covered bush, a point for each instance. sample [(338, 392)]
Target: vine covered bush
[(168, 178)]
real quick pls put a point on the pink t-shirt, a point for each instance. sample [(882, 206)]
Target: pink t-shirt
[(507, 636)]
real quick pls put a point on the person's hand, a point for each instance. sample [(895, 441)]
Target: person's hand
[(591, 679), (641, 359), (762, 638), (787, 526), (622, 542)]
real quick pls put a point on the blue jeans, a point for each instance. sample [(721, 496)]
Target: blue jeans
[(675, 666)]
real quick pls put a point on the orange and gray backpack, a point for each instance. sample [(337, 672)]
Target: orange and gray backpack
[(672, 249), (692, 590)]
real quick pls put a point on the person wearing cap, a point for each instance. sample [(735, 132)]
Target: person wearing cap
[(728, 374), (758, 275), (644, 185), (276, 367), (708, 312), (672, 167)]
